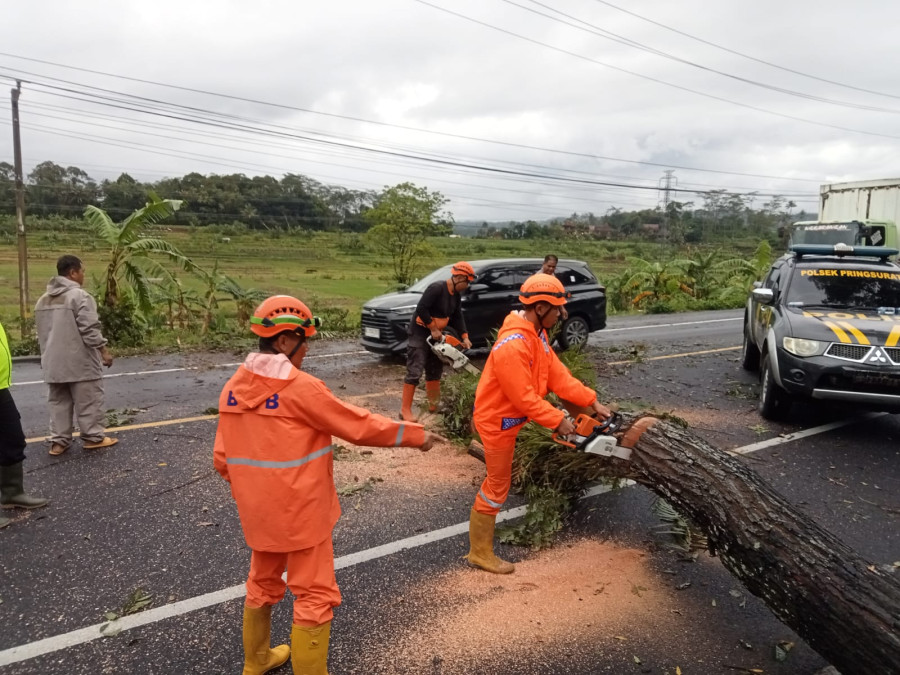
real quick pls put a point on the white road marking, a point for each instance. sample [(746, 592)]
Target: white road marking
[(82, 635), (187, 368), (669, 325), (804, 433), (90, 633)]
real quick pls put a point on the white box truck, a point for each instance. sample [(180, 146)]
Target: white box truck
[(862, 200), (859, 213)]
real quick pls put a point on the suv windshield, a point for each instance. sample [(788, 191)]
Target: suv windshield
[(853, 233), (830, 286), (423, 283)]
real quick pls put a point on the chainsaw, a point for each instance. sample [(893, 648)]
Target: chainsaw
[(448, 352), (595, 436)]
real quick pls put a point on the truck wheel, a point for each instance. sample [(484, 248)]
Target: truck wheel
[(774, 402), (749, 353), (574, 332)]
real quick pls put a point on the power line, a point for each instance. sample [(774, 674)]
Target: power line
[(654, 79), (83, 113), (517, 178), (600, 32), (395, 126), (747, 56), (443, 162), (214, 160), (488, 169)]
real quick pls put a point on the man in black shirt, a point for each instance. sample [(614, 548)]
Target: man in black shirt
[(549, 267), (438, 308), (550, 263)]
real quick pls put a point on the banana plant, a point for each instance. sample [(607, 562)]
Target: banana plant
[(656, 281), (245, 299), (131, 264)]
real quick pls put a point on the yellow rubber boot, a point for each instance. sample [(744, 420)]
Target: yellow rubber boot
[(309, 649), (433, 391), (258, 657), (406, 413), (481, 545)]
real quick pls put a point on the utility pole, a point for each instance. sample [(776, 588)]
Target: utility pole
[(24, 302)]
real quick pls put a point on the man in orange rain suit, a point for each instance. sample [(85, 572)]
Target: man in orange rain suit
[(438, 307), (519, 372), (273, 444)]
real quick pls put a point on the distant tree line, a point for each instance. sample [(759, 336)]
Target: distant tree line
[(723, 217), (258, 202), (296, 201)]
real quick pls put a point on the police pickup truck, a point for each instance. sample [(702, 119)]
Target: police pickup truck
[(824, 324)]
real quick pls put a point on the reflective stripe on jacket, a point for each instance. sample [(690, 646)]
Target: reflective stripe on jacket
[(521, 369), (273, 444)]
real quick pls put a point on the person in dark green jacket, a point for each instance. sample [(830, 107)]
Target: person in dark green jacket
[(12, 442)]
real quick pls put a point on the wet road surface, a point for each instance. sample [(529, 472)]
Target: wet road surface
[(151, 514)]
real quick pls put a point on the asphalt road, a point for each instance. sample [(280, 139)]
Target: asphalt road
[(611, 597)]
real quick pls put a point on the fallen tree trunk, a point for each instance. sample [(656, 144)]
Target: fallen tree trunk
[(845, 607)]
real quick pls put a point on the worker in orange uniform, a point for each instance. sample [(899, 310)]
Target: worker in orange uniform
[(438, 307), (273, 444), (520, 371)]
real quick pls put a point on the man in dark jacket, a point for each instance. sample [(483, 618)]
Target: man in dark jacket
[(438, 308), (73, 353)]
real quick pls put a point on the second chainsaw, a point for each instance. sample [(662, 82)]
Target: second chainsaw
[(448, 351)]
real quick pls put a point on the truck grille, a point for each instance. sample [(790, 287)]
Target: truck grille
[(848, 352)]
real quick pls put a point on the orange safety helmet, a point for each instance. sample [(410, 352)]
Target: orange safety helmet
[(463, 268), (543, 288), (283, 313)]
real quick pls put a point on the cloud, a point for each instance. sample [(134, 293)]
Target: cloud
[(496, 72)]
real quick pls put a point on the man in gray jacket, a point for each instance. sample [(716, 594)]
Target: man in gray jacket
[(73, 352)]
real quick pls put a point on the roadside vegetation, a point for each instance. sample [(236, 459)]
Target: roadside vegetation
[(185, 269)]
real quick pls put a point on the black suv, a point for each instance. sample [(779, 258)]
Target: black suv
[(824, 324), (493, 294)]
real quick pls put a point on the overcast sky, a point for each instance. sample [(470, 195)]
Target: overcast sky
[(512, 109)]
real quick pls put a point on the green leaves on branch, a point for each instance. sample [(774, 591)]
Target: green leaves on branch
[(551, 478), (459, 401)]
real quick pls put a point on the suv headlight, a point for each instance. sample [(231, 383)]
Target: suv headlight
[(404, 309), (801, 347)]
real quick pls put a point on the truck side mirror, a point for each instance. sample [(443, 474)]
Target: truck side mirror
[(764, 296)]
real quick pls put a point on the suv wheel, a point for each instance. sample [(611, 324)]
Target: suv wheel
[(774, 402), (749, 352), (574, 332)]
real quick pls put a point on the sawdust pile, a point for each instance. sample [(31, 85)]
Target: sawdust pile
[(587, 591), (445, 464)]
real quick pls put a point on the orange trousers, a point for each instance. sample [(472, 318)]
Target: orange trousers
[(499, 448), (310, 576)]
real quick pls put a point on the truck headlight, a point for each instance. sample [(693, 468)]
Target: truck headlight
[(801, 347)]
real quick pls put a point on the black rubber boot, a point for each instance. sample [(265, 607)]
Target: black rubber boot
[(12, 491)]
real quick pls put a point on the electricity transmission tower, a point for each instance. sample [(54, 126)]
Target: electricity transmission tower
[(666, 184)]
